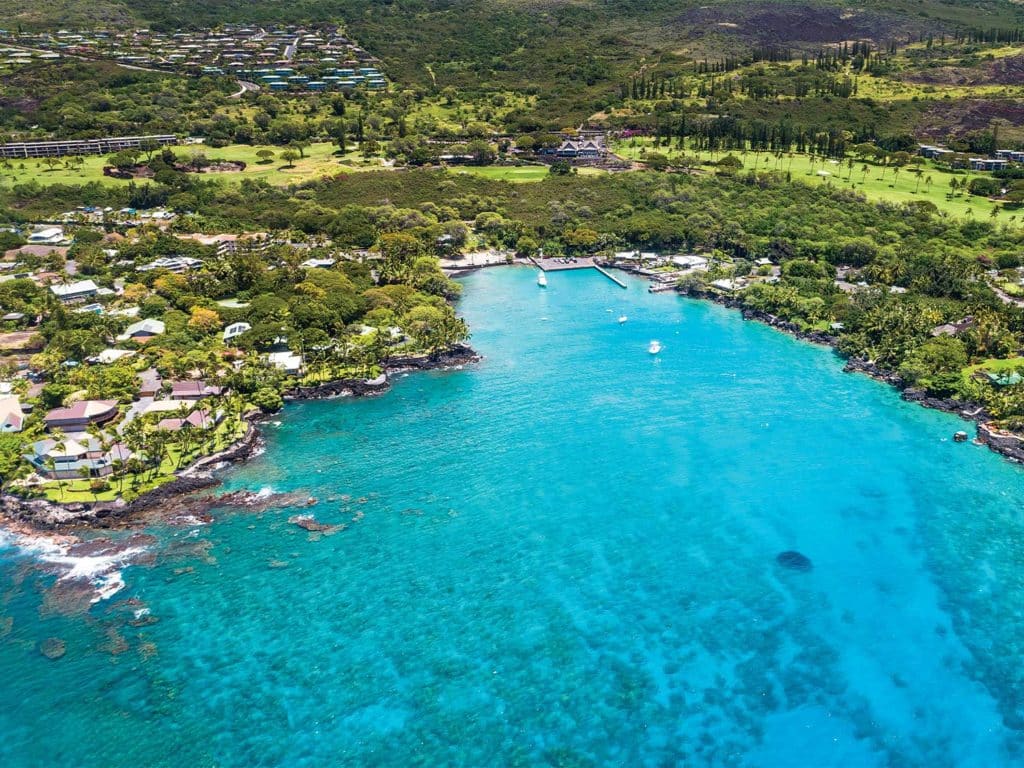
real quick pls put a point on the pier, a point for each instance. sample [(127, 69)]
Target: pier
[(564, 265)]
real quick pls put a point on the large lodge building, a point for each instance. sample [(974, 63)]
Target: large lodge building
[(29, 149)]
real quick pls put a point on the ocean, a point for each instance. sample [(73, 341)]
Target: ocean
[(565, 555)]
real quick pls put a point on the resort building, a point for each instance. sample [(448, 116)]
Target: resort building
[(588, 149), (28, 149), (933, 152), (987, 163)]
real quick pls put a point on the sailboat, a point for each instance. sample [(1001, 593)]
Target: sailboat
[(542, 280), (622, 319), (654, 347)]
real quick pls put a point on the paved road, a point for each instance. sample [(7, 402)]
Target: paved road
[(245, 86), (1007, 298)]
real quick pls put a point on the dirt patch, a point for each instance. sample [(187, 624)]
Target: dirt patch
[(18, 341), (1005, 71), (956, 118), (781, 24)]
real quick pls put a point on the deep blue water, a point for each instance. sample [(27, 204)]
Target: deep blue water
[(566, 556)]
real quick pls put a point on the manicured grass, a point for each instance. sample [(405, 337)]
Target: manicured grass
[(518, 174), (523, 173), (993, 365), (68, 491), (319, 161), (892, 187)]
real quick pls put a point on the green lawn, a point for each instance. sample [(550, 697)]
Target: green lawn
[(522, 173), (68, 491), (899, 188), (319, 161), (517, 174)]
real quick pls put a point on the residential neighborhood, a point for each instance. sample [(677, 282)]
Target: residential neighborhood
[(281, 58)]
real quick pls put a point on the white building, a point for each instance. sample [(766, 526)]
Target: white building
[(77, 291), (175, 264), (47, 236), (235, 329), (12, 418), (289, 362), (143, 330)]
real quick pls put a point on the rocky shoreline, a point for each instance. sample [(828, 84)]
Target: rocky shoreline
[(179, 500), (1007, 444), (457, 356)]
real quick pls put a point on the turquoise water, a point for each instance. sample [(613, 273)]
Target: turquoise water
[(566, 556)]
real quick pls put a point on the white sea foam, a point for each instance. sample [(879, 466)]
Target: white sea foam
[(102, 571)]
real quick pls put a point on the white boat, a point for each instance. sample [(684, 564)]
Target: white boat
[(622, 319), (542, 280), (654, 347)]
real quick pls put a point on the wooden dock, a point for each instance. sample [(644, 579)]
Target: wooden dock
[(560, 265)]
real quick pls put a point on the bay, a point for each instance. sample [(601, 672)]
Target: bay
[(566, 555)]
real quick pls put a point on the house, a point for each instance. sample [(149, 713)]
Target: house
[(317, 263), (198, 419), (73, 459), (727, 285), (193, 389), (287, 361), (110, 355), (47, 236), (71, 293), (163, 406), (12, 418), (149, 383), (953, 329), (142, 331), (78, 416), (690, 261), (175, 264), (235, 329)]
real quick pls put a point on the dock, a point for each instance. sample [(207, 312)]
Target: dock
[(562, 265)]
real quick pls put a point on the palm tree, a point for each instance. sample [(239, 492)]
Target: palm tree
[(59, 446), (86, 474), (51, 466), (119, 466)]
